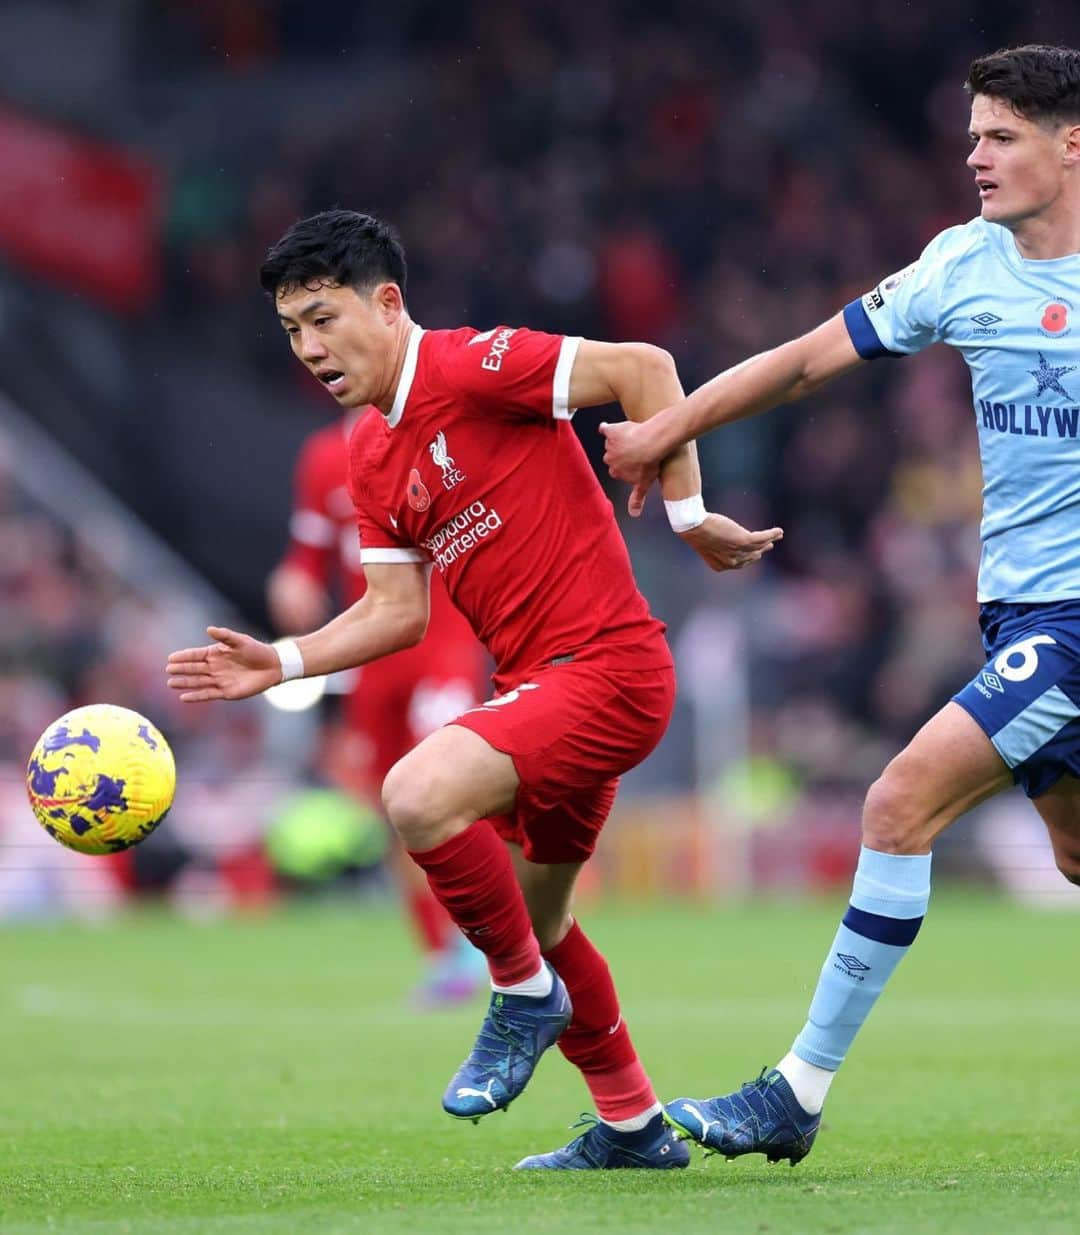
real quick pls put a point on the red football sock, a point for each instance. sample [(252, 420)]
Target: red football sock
[(430, 919), (597, 1040), (473, 878)]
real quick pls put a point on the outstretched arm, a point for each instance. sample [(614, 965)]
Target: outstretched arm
[(643, 379), (635, 453), (392, 614)]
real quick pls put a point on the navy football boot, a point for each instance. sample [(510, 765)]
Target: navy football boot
[(516, 1031), (763, 1117), (602, 1148)]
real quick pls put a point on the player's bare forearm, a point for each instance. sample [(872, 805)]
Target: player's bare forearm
[(372, 628), (642, 379), (236, 666), (652, 386), (391, 615), (781, 375)]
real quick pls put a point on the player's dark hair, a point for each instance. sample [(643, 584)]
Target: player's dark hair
[(341, 247), (1040, 82)]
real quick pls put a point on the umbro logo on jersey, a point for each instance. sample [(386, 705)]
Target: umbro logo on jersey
[(985, 323), (440, 454)]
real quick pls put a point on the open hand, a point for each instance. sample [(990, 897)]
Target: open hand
[(631, 456), (234, 667), (724, 544)]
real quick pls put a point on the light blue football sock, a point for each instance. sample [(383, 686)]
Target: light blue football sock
[(888, 901)]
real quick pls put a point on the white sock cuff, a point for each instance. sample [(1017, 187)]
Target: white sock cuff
[(809, 1083), (636, 1122), (537, 986)]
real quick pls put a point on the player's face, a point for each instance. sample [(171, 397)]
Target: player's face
[(347, 339), (1019, 165)]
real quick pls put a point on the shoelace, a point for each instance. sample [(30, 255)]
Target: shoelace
[(591, 1123), (759, 1088), (499, 1041)]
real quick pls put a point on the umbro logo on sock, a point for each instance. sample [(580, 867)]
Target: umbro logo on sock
[(851, 965)]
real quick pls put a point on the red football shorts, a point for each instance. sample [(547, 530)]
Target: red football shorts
[(572, 730)]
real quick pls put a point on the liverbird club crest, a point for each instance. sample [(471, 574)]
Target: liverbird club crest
[(443, 459), (419, 497)]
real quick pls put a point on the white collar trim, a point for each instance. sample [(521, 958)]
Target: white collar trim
[(408, 372)]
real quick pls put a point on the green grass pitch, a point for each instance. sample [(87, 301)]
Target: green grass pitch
[(267, 1076)]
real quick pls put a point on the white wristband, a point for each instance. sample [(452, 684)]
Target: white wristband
[(292, 659), (687, 514)]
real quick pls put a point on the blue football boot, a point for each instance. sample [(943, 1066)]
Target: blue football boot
[(602, 1148), (516, 1031), (764, 1117)]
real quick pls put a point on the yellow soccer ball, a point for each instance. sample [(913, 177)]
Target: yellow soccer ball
[(101, 779)]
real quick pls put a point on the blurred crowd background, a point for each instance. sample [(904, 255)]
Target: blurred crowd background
[(712, 178)]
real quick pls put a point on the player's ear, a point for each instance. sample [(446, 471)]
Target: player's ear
[(389, 301), (1072, 145)]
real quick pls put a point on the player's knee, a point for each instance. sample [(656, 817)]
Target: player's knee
[(894, 818), (419, 804), (408, 805)]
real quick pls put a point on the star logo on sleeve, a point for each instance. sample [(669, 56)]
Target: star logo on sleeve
[(1049, 376)]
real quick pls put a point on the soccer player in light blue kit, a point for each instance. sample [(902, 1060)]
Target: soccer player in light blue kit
[(1004, 290)]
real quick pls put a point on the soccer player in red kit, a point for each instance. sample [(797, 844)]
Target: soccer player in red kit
[(472, 467), (395, 702)]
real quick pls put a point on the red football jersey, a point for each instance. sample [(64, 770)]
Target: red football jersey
[(323, 539), (477, 469)]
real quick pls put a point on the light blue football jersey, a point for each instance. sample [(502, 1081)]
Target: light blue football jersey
[(1017, 324)]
